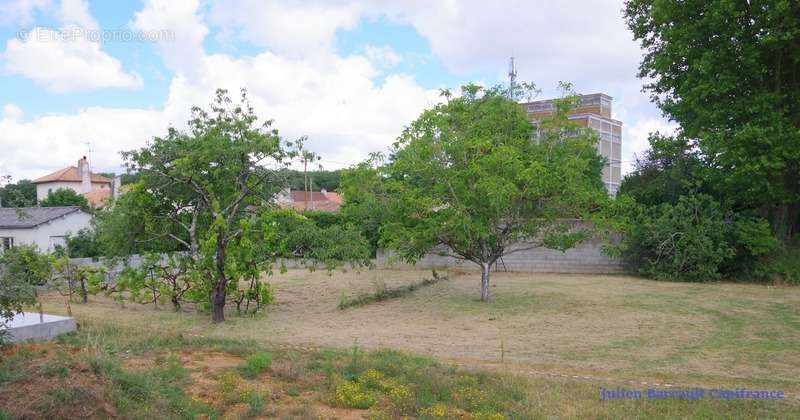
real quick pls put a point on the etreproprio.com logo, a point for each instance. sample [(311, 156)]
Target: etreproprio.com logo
[(67, 34)]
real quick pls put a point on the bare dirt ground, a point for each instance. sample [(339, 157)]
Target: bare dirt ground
[(617, 325)]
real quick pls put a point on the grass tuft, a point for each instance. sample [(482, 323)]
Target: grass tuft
[(256, 364)]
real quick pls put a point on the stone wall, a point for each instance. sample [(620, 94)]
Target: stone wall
[(586, 258)]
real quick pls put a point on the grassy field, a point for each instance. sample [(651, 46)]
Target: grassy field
[(609, 331)]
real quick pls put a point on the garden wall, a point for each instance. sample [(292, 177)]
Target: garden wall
[(586, 258)]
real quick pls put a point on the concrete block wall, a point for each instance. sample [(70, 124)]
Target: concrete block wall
[(586, 258)]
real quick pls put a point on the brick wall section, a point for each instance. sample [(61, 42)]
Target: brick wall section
[(586, 258)]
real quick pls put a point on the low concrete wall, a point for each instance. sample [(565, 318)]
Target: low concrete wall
[(586, 258), (30, 327)]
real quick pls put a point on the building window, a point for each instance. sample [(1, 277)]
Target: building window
[(58, 242), (6, 243)]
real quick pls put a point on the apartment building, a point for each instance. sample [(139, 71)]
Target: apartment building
[(594, 111)]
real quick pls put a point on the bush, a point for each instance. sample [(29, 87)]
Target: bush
[(692, 240), (684, 241), (782, 265), (21, 269)]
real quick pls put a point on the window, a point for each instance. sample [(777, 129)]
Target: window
[(58, 241), (6, 243)]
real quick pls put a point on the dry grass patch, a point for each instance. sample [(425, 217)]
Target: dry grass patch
[(605, 325)]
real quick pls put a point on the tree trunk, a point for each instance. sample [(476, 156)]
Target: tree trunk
[(218, 291), (485, 270), (218, 301), (84, 293)]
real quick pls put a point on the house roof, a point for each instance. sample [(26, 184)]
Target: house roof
[(69, 174), (317, 200), (30, 217), (98, 198)]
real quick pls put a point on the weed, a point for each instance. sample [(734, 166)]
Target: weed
[(170, 370), (255, 364), (255, 404), (436, 411), (383, 293), (353, 395), (58, 365), (14, 366), (354, 368)]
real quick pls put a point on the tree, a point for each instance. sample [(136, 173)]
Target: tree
[(207, 177), (366, 202), (141, 222), (671, 168), (468, 179), (20, 194), (64, 197), (729, 73), (320, 179), (22, 268), (70, 279), (157, 278)]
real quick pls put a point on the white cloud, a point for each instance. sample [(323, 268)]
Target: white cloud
[(44, 144), (65, 65), (636, 139), (21, 12), (384, 56), (183, 53), (289, 27), (12, 112), (76, 12), (336, 104)]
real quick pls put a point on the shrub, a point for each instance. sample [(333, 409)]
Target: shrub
[(687, 240), (21, 268), (783, 265)]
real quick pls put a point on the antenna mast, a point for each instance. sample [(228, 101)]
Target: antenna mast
[(512, 79)]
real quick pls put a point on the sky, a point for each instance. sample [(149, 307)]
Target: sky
[(95, 78)]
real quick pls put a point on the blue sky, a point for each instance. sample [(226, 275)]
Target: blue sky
[(347, 74)]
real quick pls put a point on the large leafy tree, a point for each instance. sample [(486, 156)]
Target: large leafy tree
[(207, 177), (19, 194), (471, 179), (729, 72), (671, 168)]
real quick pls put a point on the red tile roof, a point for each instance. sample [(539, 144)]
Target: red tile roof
[(98, 198), (70, 174), (317, 200)]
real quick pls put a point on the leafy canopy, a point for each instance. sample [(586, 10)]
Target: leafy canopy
[(727, 72), (64, 197), (471, 178)]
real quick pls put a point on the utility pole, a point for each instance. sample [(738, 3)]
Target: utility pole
[(512, 79), (305, 179)]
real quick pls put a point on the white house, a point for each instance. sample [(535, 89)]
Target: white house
[(45, 227), (97, 189)]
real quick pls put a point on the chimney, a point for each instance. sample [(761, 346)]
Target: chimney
[(116, 183), (86, 177)]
